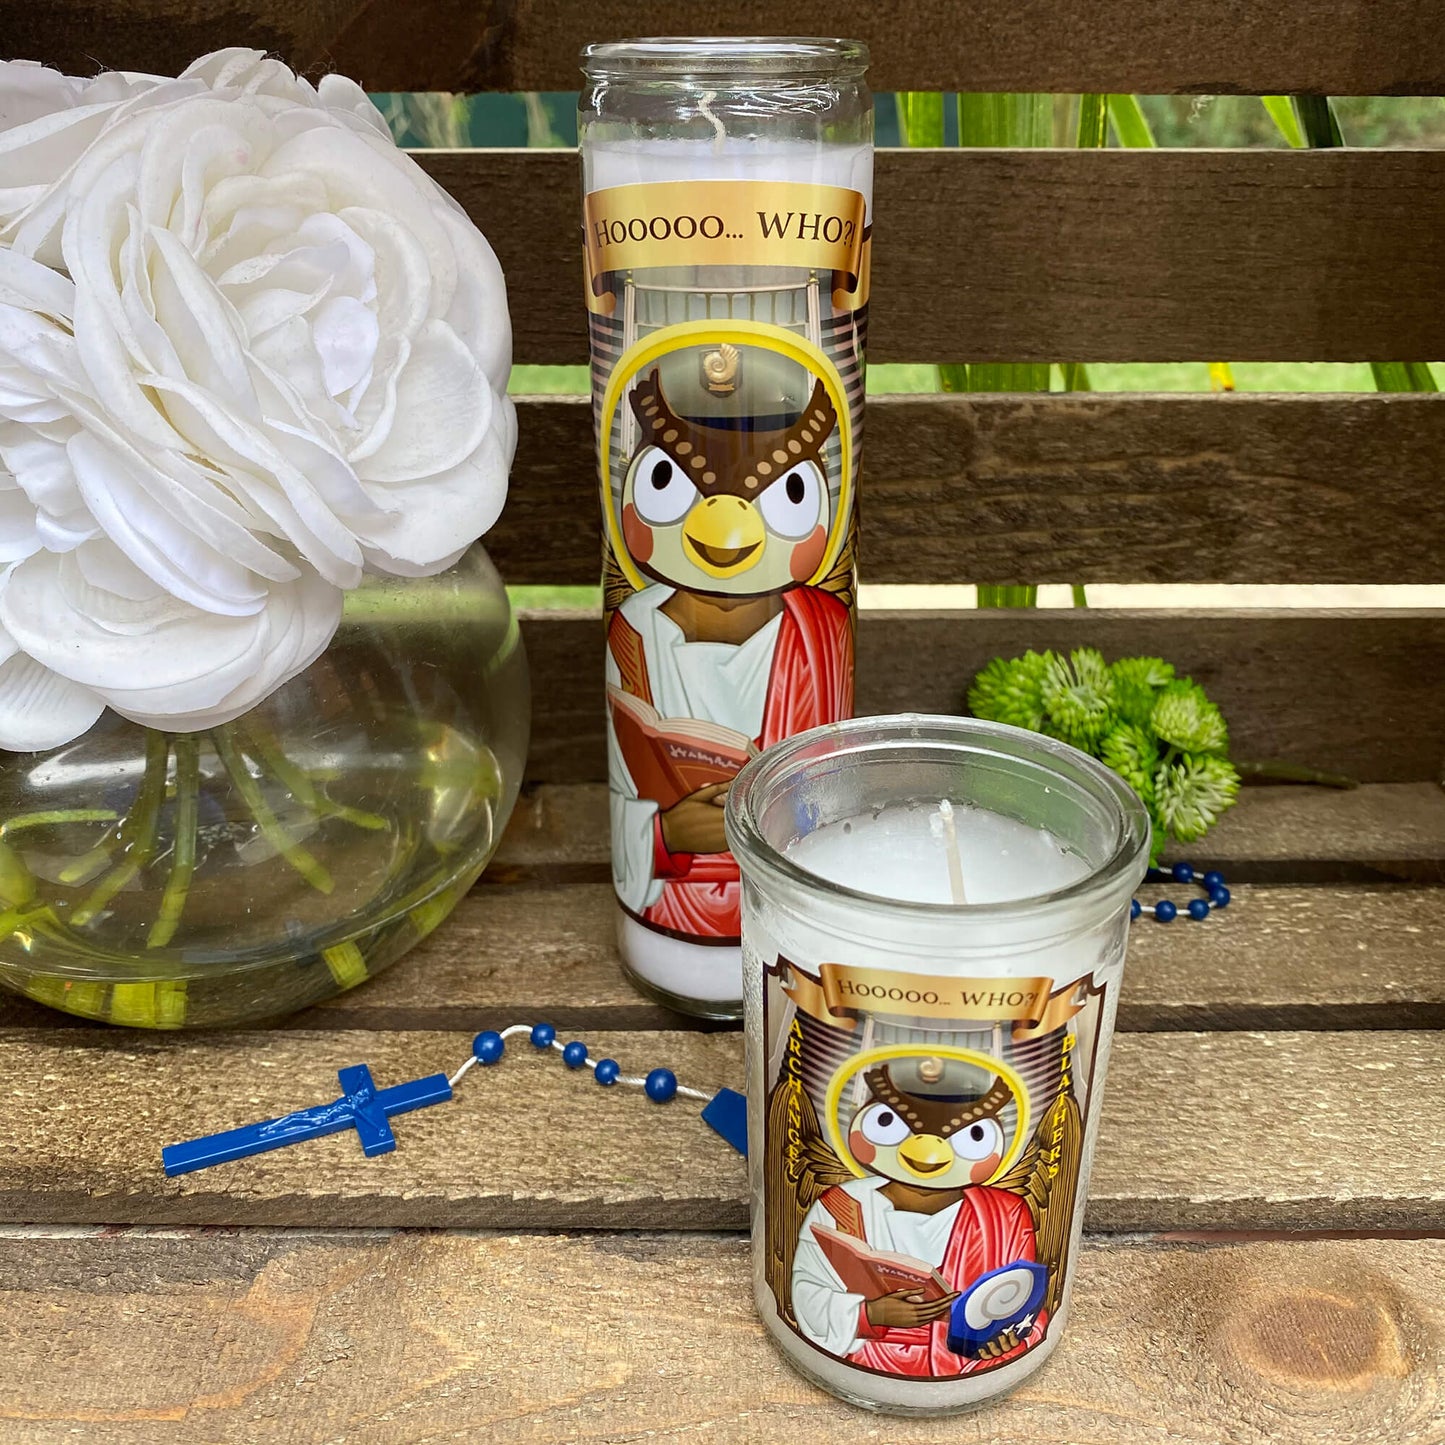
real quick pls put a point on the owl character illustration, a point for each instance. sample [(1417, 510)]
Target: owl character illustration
[(741, 632), (921, 1254)]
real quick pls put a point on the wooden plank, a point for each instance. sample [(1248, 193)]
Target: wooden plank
[(1200, 1131), (558, 833), (1075, 488), (1145, 255), (1385, 47), (145, 1339), (1280, 958), (1353, 692)]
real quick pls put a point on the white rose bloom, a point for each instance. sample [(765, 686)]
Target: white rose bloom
[(248, 353)]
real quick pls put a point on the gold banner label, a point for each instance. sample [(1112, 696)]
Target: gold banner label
[(725, 223), (843, 992)]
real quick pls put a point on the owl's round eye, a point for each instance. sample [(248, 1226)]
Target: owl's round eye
[(793, 506), (880, 1125), (661, 492), (978, 1140)]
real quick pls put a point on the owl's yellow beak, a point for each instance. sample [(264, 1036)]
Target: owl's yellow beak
[(925, 1154), (724, 536)]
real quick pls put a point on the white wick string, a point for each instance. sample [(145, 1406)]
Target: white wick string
[(704, 105), (636, 1081), (948, 829)]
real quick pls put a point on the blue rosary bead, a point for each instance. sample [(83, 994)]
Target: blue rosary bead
[(1214, 879), (1135, 908), (1165, 911), (543, 1035), (606, 1071), (1198, 909), (488, 1047), (575, 1054), (661, 1085), (1219, 896), (1182, 873)]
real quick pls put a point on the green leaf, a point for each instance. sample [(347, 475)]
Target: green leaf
[(1137, 681), (1281, 112), (1403, 376), (920, 117), (1317, 122), (1093, 132), (1002, 119), (1127, 116), (1133, 754), (1075, 376), (992, 596)]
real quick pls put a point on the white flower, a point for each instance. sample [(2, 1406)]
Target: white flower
[(248, 352)]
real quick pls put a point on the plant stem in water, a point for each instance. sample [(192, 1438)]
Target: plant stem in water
[(137, 831), (183, 862), (271, 827)]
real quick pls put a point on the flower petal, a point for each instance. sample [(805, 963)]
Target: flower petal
[(40, 710)]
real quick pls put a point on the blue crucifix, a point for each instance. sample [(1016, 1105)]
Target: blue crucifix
[(362, 1107)]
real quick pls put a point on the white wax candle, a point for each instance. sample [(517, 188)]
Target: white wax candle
[(728, 158), (901, 853)]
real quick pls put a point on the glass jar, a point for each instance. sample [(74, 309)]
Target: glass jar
[(726, 216), (924, 1074), (189, 879)]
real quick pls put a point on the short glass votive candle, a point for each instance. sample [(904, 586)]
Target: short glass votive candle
[(935, 912)]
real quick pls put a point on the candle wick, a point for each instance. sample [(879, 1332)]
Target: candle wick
[(949, 829), (704, 105)]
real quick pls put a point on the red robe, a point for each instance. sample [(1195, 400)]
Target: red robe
[(811, 683), (993, 1228)]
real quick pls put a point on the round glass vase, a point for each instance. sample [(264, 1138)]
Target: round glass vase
[(168, 880), (924, 1077)]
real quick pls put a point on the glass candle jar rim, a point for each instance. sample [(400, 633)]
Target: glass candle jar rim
[(881, 734), (683, 57)]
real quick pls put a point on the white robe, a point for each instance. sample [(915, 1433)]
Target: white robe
[(826, 1312), (720, 682)]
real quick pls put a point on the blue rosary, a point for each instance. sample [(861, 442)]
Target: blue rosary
[(1198, 909), (368, 1110)]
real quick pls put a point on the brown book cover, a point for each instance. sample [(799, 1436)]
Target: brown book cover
[(874, 1272), (672, 757)]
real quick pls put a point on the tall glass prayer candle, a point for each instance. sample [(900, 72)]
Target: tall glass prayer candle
[(934, 919), (726, 220)]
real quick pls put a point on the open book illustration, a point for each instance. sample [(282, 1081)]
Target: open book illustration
[(672, 757), (874, 1272)]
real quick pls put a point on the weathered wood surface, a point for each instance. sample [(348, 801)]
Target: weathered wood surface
[(1272, 834), (1018, 255), (146, 1339), (1355, 692), (1075, 488), (1344, 47), (1284, 958), (1280, 958), (1200, 1131)]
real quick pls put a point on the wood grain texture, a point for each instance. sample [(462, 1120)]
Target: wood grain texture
[(558, 832), (1343, 47), (1349, 692), (144, 1339), (1278, 958), (1200, 1131), (1062, 488), (999, 255)]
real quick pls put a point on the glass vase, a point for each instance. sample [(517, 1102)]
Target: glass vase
[(167, 880)]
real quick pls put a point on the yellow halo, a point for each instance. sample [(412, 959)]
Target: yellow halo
[(851, 1067), (749, 333)]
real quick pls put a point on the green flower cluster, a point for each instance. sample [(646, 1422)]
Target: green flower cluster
[(1159, 732)]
